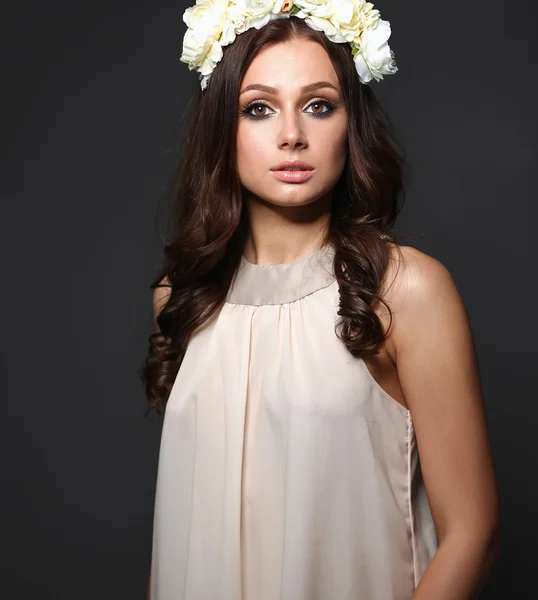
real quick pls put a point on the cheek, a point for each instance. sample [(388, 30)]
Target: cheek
[(251, 146), (333, 145)]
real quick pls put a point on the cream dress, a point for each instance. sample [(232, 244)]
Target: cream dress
[(285, 471)]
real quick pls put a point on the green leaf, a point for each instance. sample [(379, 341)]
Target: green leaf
[(295, 9)]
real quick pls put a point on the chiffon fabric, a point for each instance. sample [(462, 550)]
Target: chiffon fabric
[(285, 471)]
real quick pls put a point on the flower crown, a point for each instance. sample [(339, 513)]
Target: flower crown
[(213, 24)]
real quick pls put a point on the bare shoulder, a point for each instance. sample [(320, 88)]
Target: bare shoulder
[(416, 277), (416, 287), (437, 367), (160, 297)]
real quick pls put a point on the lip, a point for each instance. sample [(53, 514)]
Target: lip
[(293, 176), (298, 164), (306, 171)]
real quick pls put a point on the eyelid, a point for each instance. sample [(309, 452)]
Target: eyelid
[(311, 101)]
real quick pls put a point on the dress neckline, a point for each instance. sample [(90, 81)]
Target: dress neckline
[(282, 283)]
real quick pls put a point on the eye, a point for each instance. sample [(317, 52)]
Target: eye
[(256, 110), (320, 103)]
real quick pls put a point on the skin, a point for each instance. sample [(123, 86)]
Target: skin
[(288, 219), (435, 372), (428, 362)]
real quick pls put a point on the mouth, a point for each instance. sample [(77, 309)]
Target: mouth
[(293, 165), (293, 175), (293, 171)]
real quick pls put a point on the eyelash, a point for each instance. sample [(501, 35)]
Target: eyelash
[(245, 111)]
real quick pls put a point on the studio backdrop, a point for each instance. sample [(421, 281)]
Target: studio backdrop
[(94, 105)]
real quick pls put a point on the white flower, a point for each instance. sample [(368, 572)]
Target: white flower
[(205, 20), (325, 25), (323, 16), (251, 13), (341, 20), (363, 16), (321, 8), (256, 8), (213, 24), (374, 58)]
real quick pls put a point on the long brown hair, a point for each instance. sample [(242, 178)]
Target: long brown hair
[(210, 223)]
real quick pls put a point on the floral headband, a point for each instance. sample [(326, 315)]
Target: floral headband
[(213, 24)]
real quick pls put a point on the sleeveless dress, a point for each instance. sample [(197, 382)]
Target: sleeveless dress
[(285, 471)]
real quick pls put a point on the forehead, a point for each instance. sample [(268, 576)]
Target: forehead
[(291, 65)]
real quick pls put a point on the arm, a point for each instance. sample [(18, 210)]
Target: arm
[(439, 376), (160, 297)]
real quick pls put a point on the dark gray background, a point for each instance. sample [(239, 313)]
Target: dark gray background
[(93, 98)]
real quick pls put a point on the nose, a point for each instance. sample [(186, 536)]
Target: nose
[(291, 134)]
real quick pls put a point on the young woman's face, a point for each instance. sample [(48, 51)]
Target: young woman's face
[(290, 123)]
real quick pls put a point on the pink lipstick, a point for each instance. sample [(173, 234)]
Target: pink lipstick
[(293, 171)]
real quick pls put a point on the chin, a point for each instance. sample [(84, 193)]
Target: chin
[(287, 194), (295, 199)]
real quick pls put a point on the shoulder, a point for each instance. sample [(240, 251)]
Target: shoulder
[(414, 276), (422, 296), (439, 376), (161, 293)]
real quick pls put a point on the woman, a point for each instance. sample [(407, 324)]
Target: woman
[(304, 456)]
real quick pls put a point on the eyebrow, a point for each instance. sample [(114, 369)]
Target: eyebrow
[(272, 90)]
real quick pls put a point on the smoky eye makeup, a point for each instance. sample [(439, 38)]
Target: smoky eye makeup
[(248, 112)]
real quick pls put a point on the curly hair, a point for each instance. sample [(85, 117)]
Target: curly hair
[(209, 222)]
